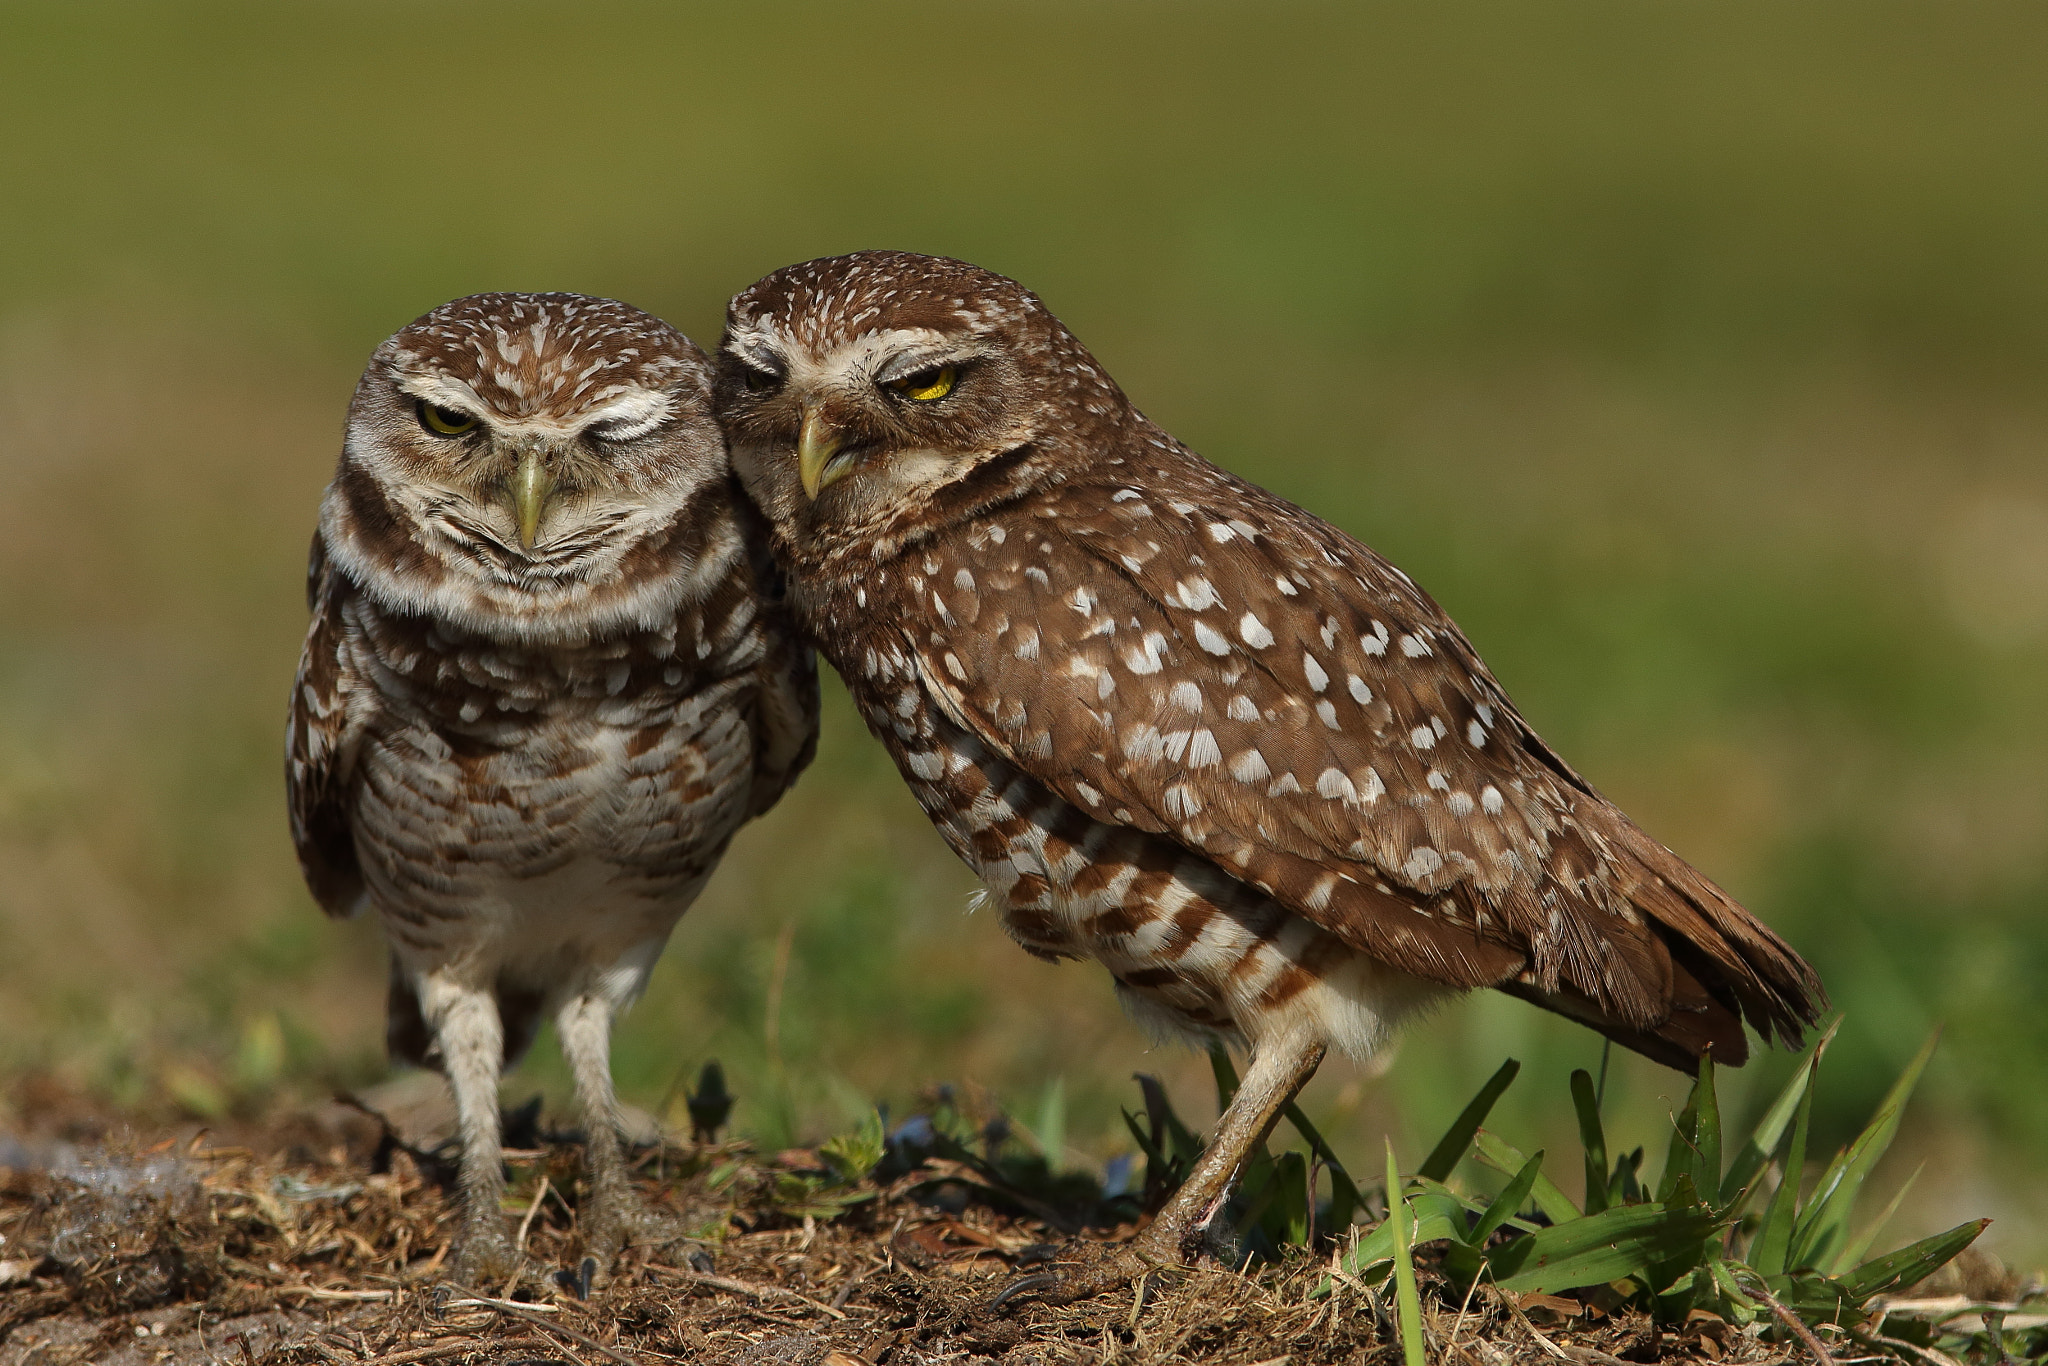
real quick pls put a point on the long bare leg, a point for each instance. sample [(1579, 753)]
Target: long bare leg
[(1277, 1073), (472, 1039), (1279, 1069)]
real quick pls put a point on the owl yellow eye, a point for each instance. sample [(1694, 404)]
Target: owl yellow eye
[(445, 421), (927, 386)]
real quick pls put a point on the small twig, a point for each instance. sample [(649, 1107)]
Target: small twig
[(846, 1291), (1458, 1327), (889, 1243), (519, 1311), (540, 1193), (313, 1292), (746, 1288), (1595, 1356), (1933, 1354), (1796, 1324), (433, 1351), (492, 1302), (1541, 1341)]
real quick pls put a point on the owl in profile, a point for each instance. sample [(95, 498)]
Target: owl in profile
[(1184, 728), (549, 674)]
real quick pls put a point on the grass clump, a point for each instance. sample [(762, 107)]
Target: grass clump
[(1736, 1241)]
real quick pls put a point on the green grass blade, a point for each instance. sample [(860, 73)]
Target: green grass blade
[(1690, 1143), (854, 1154), (1912, 1263), (1153, 1154), (1511, 1197), (1378, 1246), (1051, 1128), (1623, 1188), (1854, 1254), (1750, 1159), (1815, 1298), (1769, 1246), (1408, 1303), (1225, 1073), (1288, 1222), (1502, 1156), (1457, 1139), (1824, 1223), (1738, 1305), (1344, 1196), (1594, 1137), (1706, 1132), (1598, 1248)]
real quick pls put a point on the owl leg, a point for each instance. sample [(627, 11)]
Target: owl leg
[(613, 1212), (472, 1042), (1279, 1069)]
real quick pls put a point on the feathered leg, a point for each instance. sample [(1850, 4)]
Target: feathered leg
[(472, 1041), (613, 1214)]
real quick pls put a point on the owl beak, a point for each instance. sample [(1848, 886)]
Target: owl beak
[(818, 462), (531, 485)]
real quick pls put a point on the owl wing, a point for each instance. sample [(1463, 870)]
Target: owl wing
[(330, 710), (1223, 668)]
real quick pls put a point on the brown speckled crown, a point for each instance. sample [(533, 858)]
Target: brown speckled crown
[(526, 354)]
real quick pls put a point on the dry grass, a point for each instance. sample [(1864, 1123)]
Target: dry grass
[(311, 1240)]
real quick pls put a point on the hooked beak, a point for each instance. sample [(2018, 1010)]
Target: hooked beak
[(530, 486), (818, 461)]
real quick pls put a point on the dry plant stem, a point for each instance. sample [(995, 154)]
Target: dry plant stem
[(1458, 1327), (759, 1292), (1904, 1348), (581, 1339), (1795, 1325), (1541, 1341), (526, 1222), (853, 1283), (430, 1353)]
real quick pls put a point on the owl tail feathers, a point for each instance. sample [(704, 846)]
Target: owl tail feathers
[(1725, 967), (1698, 1023)]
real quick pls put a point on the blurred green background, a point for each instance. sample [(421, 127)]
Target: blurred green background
[(1692, 356)]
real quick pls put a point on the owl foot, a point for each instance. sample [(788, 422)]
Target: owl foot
[(485, 1259), (619, 1220), (1092, 1270)]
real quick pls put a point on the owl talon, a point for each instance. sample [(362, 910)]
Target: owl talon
[(619, 1221), (1101, 1273)]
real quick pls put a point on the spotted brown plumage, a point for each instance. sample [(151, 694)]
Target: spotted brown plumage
[(1183, 727), (548, 676)]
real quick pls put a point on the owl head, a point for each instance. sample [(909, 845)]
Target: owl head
[(526, 461), (862, 393)]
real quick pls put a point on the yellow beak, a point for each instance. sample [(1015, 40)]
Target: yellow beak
[(531, 485), (814, 455)]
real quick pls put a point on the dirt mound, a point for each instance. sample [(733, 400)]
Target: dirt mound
[(321, 1238)]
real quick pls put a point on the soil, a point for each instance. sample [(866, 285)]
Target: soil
[(322, 1237)]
